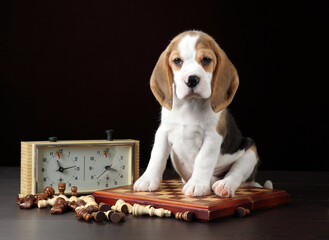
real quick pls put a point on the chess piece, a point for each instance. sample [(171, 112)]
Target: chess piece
[(41, 196), (91, 208), (26, 202), (59, 207), (103, 207), (72, 205), (74, 192), (82, 214), (186, 216), (242, 212), (139, 210), (122, 202), (89, 199), (49, 191), (120, 206), (117, 217), (98, 216), (45, 203), (19, 199), (81, 202), (61, 188), (86, 201), (108, 214)]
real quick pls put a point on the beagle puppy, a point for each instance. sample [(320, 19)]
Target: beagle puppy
[(194, 81)]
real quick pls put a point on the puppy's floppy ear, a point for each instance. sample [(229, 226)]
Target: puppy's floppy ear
[(225, 81), (161, 81)]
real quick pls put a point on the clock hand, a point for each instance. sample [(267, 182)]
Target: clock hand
[(60, 168), (106, 168), (102, 173), (59, 165), (64, 168), (113, 169)]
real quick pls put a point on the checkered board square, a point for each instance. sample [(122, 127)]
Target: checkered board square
[(170, 196)]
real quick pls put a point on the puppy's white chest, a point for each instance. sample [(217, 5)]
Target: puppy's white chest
[(186, 141)]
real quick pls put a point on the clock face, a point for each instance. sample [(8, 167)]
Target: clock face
[(88, 167)]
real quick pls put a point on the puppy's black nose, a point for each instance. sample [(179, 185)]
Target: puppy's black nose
[(192, 81)]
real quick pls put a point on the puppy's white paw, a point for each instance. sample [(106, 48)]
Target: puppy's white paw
[(225, 187), (196, 188), (147, 183)]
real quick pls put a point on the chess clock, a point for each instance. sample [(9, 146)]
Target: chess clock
[(89, 164)]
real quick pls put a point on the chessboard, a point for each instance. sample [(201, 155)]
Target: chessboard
[(169, 196)]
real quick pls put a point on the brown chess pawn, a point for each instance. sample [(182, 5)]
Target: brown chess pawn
[(74, 191), (242, 212), (103, 207), (59, 207), (61, 188), (98, 216), (186, 216)]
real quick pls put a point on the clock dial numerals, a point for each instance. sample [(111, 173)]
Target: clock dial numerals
[(105, 167), (88, 168)]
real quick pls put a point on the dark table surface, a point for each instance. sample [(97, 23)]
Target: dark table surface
[(306, 217)]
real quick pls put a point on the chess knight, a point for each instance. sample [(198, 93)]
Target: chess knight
[(195, 81)]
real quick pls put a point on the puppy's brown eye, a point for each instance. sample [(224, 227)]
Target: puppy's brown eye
[(178, 61), (205, 61)]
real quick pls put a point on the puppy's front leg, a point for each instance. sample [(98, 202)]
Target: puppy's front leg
[(150, 180), (239, 173), (205, 162)]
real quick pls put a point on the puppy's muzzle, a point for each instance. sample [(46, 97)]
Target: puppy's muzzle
[(192, 81)]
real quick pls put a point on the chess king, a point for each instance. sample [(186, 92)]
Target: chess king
[(195, 81)]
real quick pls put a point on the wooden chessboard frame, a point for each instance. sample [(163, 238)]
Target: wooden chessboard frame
[(206, 208)]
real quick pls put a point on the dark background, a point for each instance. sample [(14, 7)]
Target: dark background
[(75, 68)]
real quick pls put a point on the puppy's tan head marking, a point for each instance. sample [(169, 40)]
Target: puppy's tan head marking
[(161, 81), (162, 76), (225, 80), (213, 60)]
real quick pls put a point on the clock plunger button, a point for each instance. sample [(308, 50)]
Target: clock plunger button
[(109, 134), (53, 139)]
